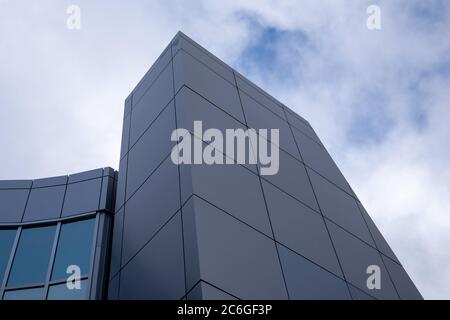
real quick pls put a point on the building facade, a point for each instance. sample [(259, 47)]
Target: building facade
[(50, 226), (202, 231)]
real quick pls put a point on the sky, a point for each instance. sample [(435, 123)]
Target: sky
[(378, 99)]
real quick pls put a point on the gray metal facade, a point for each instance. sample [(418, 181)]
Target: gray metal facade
[(226, 231)]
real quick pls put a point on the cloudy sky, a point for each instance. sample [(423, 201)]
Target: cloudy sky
[(379, 99)]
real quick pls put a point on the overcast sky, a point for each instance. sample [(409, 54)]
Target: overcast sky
[(379, 99)]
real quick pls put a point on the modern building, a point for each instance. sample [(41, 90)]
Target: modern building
[(157, 230)]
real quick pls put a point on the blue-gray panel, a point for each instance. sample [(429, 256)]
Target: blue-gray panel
[(113, 288), (205, 291), (259, 95), (107, 195), (300, 228), (315, 156), (307, 281), (402, 282), (355, 257), (116, 245), (15, 184), (182, 42), (151, 75), (150, 208), (190, 72), (151, 149), (192, 107), (157, 271), (152, 103), (292, 178), (259, 117), (380, 242), (12, 204), (340, 207), (232, 188), (300, 124), (125, 136), (45, 203), (82, 197), (121, 183), (86, 175), (231, 256), (359, 294), (48, 182)]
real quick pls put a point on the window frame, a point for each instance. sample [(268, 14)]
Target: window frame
[(96, 216)]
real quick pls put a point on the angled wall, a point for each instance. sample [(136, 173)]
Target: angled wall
[(226, 231)]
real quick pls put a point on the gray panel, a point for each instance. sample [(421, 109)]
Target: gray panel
[(107, 196), (116, 246), (292, 178), (259, 95), (190, 72), (125, 136), (45, 203), (149, 78), (153, 101), (192, 107), (318, 158), (231, 255), (15, 184), (86, 175), (204, 291), (151, 149), (403, 283), (380, 242), (355, 257), (82, 197), (150, 208), (306, 281), (300, 228), (12, 204), (121, 183), (127, 107), (48, 182), (113, 288), (230, 187), (358, 294), (157, 271), (182, 42), (298, 123), (259, 117), (340, 207)]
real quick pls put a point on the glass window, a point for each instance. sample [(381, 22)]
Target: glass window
[(61, 292), (74, 248), (32, 257), (6, 243), (24, 294)]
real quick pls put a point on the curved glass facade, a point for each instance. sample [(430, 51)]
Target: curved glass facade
[(54, 236)]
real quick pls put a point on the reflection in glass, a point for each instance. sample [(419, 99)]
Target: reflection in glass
[(32, 256), (61, 292), (6, 243), (74, 248), (24, 294)]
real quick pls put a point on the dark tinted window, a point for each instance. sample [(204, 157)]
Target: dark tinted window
[(74, 248), (61, 292), (32, 257), (6, 242), (24, 294)]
